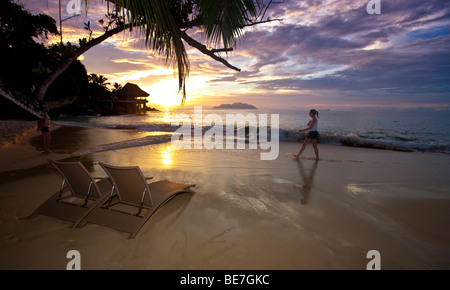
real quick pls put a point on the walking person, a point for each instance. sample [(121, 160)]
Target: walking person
[(44, 127), (313, 135)]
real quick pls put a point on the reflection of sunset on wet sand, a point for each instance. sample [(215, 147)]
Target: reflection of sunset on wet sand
[(245, 213), (167, 154)]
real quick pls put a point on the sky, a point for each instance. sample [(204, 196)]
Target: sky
[(330, 54)]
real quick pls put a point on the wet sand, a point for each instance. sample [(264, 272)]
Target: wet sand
[(12, 131), (245, 213)]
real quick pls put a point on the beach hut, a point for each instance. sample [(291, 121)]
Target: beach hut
[(132, 99)]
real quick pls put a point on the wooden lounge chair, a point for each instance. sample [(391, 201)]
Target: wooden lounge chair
[(78, 195), (132, 200)]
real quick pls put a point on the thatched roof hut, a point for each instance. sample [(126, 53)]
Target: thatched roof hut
[(131, 91), (131, 99)]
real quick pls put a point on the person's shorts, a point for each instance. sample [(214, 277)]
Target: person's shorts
[(313, 135), (45, 129)]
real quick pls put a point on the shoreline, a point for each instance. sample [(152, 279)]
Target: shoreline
[(245, 213), (13, 131)]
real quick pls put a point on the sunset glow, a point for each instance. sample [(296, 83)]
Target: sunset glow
[(164, 93), (328, 54)]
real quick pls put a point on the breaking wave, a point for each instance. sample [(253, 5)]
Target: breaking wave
[(395, 142), (353, 140)]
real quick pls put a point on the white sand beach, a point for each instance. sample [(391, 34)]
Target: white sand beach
[(245, 213)]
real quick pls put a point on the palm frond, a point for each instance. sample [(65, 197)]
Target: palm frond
[(161, 34), (224, 20)]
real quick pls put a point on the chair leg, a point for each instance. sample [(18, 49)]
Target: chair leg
[(61, 190), (142, 203), (87, 195)]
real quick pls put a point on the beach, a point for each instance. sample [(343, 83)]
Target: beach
[(12, 131), (246, 213)]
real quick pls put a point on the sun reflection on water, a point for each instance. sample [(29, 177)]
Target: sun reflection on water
[(167, 153), (167, 117)]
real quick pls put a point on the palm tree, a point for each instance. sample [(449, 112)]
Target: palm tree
[(116, 87), (222, 20), (99, 80)]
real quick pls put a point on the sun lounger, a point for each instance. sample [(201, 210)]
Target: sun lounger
[(132, 200), (78, 195)]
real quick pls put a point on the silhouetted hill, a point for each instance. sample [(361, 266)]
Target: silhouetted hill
[(237, 105)]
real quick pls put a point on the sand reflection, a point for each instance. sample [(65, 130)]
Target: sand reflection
[(307, 175), (167, 153)]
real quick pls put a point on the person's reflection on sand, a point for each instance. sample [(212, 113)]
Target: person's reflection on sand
[(307, 180)]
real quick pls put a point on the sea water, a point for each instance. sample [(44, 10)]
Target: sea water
[(402, 130)]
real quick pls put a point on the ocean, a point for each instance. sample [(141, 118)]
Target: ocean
[(423, 131)]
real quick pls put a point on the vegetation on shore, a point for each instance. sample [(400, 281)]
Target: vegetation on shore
[(52, 76)]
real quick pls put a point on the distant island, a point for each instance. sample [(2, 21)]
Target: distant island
[(237, 105)]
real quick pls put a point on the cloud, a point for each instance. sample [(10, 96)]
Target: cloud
[(402, 54), (323, 52)]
